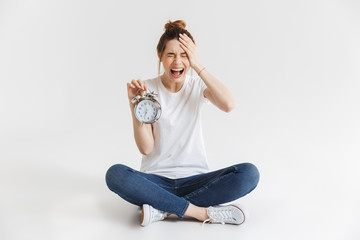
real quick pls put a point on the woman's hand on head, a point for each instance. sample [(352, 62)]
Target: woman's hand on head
[(190, 48), (134, 86)]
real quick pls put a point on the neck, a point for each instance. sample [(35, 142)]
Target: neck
[(172, 86)]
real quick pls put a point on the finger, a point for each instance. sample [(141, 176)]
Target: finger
[(183, 39), (130, 85), (189, 55), (141, 84), (140, 92), (183, 42), (186, 38), (191, 48), (186, 49), (135, 82)]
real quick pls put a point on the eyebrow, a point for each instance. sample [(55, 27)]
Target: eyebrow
[(174, 53)]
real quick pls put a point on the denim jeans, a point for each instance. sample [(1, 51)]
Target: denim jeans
[(175, 195)]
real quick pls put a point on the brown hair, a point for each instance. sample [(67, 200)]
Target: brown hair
[(172, 31)]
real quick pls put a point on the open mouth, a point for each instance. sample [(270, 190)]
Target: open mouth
[(176, 73)]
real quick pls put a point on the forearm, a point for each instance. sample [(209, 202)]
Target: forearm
[(220, 94), (143, 134), (216, 92)]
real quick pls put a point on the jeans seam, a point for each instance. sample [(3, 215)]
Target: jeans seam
[(235, 169), (185, 208), (206, 186)]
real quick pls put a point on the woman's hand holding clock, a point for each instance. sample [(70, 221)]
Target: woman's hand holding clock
[(134, 86), (145, 107)]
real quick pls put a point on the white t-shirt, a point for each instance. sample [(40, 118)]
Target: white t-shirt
[(178, 141)]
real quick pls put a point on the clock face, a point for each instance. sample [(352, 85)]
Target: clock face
[(146, 111)]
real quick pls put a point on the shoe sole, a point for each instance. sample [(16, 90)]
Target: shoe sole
[(239, 215), (147, 215)]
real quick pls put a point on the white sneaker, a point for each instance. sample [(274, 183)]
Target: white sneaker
[(150, 215), (225, 214)]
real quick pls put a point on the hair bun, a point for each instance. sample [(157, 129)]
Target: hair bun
[(177, 23)]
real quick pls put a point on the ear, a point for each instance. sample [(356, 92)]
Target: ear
[(159, 57)]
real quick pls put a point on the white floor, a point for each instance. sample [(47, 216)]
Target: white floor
[(43, 202)]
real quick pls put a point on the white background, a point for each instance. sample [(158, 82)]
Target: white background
[(292, 66)]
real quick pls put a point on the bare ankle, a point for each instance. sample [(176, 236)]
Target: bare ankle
[(200, 213), (203, 216)]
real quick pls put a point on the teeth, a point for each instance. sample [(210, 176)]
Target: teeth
[(177, 70)]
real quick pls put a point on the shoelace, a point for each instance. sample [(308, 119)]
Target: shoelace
[(220, 215), (156, 215)]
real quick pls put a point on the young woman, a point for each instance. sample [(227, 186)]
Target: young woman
[(174, 177)]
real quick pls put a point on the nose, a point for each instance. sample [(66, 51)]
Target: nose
[(177, 59)]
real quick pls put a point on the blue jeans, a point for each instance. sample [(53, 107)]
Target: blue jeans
[(175, 195)]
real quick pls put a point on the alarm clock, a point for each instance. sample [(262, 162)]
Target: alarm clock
[(147, 109)]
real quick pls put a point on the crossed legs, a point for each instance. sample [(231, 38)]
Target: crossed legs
[(191, 196)]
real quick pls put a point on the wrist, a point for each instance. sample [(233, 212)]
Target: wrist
[(201, 71), (132, 105), (198, 68)]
